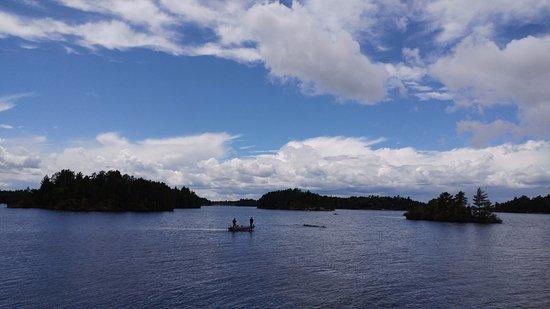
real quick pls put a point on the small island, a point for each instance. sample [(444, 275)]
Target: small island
[(296, 199), (449, 208), (103, 191)]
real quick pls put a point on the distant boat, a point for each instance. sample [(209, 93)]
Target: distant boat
[(241, 228), (314, 225)]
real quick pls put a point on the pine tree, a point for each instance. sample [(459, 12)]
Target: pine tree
[(482, 204), (480, 199), (461, 200)]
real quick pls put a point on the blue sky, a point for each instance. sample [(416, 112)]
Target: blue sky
[(375, 97), (144, 94)]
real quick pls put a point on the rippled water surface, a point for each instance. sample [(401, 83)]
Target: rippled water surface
[(187, 259)]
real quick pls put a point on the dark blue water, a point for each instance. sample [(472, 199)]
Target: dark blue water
[(187, 259)]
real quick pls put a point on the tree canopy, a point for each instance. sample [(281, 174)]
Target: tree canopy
[(524, 204), (449, 208), (102, 191), (296, 199)]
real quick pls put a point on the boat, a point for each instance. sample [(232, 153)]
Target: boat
[(314, 225), (241, 228)]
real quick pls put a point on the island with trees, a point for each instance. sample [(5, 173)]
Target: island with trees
[(103, 191), (449, 208), (296, 199)]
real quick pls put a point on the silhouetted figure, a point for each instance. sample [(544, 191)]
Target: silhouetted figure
[(234, 222), (251, 221)]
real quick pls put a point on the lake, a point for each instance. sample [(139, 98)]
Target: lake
[(186, 258)]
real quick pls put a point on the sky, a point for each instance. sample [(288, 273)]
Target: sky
[(237, 98)]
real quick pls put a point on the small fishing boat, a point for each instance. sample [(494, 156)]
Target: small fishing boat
[(241, 228)]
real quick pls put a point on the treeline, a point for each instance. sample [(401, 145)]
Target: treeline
[(246, 202), (523, 204), (103, 191), (296, 199), (449, 208)]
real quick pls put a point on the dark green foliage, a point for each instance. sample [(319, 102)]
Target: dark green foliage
[(450, 208), (523, 204), (480, 199), (296, 199), (246, 202), (103, 191)]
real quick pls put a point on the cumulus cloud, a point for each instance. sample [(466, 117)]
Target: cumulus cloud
[(324, 60), (350, 166), (323, 46), (335, 165), (316, 43), (458, 18), (167, 159), (18, 166), (481, 74), (307, 44)]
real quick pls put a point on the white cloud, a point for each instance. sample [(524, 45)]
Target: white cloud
[(118, 35), (4, 106), (306, 43), (7, 102), (295, 44), (434, 95), (141, 12), (351, 166), (240, 54), (166, 158), (484, 133), (317, 44), (18, 166), (110, 34), (479, 73), (458, 18), (6, 126), (337, 165)]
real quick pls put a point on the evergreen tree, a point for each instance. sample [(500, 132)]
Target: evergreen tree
[(480, 199), (461, 200)]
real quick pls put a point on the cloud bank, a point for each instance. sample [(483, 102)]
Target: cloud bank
[(334, 165)]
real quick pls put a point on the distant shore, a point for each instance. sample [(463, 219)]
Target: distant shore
[(112, 191)]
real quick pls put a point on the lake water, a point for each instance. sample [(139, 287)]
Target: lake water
[(186, 258)]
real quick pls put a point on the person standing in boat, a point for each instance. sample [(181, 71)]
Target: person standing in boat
[(251, 222), (234, 222)]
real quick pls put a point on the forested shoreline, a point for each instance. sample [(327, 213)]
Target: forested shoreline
[(524, 204), (108, 191), (115, 192), (296, 199), (244, 202)]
